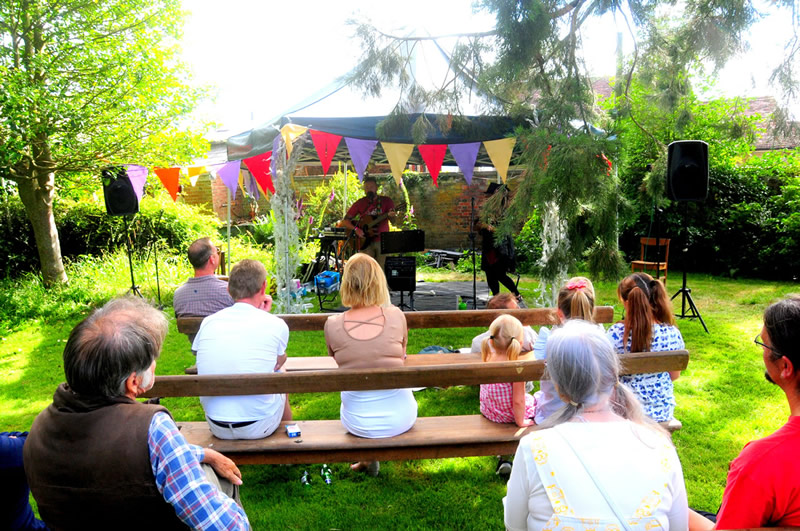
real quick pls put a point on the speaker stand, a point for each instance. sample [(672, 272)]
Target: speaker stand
[(134, 289), (403, 305), (686, 297)]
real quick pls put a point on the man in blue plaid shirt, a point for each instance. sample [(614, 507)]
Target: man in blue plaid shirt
[(97, 458)]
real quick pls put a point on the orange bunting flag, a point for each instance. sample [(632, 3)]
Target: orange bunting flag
[(169, 178), (398, 155), (259, 169), (325, 144), (433, 155), (500, 153)]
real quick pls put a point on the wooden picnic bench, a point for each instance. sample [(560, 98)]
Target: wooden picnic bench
[(431, 437)]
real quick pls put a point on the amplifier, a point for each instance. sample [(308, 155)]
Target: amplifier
[(401, 273)]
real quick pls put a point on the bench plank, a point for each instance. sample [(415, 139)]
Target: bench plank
[(326, 441), (464, 370), (426, 319)]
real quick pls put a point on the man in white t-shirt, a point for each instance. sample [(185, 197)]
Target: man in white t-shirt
[(244, 339)]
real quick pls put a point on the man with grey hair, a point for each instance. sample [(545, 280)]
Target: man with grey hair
[(244, 339), (204, 293), (764, 480), (96, 456)]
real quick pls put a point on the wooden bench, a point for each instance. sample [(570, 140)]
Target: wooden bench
[(431, 437)]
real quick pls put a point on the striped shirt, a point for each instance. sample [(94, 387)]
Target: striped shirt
[(182, 482)]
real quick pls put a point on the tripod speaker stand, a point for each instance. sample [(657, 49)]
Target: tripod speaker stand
[(401, 271), (686, 298)]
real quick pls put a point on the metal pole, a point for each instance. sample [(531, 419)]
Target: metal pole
[(229, 230)]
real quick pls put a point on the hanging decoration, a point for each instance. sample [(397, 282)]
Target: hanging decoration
[(194, 173), (433, 155), (290, 132), (466, 155), (229, 173), (326, 145), (169, 178), (499, 152), (360, 153), (259, 167), (398, 155), (138, 176)]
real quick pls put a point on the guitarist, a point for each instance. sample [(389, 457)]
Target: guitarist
[(365, 210)]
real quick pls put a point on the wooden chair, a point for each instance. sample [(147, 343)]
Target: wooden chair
[(651, 266)]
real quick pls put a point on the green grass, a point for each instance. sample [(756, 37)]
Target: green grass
[(723, 400)]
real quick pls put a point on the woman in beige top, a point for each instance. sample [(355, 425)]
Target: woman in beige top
[(371, 334)]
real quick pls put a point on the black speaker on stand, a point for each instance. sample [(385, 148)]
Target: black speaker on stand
[(401, 271), (121, 200), (687, 181)]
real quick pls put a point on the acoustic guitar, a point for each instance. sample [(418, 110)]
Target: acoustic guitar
[(369, 224)]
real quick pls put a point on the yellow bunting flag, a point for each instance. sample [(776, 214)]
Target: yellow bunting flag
[(500, 153), (241, 183), (194, 173), (398, 155), (290, 132)]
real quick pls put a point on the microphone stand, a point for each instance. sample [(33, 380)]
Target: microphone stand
[(472, 244)]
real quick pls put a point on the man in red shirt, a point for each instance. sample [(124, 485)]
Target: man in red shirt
[(369, 217), (763, 487)]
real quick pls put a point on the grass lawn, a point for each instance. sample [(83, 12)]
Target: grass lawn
[(723, 401)]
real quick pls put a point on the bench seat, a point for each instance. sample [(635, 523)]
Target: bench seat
[(326, 441)]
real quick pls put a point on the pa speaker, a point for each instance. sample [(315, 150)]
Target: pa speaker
[(118, 192), (401, 273), (687, 170)]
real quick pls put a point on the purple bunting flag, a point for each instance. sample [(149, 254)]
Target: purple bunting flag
[(138, 176), (276, 142), (465, 155), (360, 153), (252, 187), (229, 173)]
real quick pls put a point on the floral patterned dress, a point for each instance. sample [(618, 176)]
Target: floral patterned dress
[(654, 390)]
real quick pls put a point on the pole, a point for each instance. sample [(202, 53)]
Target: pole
[(472, 240), (229, 230)]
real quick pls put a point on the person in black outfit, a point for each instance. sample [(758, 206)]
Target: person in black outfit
[(497, 254)]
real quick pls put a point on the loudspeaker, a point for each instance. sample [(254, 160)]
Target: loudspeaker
[(687, 170), (401, 273), (406, 241), (118, 192)]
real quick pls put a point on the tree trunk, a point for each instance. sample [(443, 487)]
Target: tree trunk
[(37, 195)]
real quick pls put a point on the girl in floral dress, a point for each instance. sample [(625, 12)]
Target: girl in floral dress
[(649, 326)]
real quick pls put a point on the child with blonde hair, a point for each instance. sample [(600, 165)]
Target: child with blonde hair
[(505, 402)]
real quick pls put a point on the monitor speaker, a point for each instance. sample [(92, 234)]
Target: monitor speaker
[(118, 192), (687, 170), (401, 273)]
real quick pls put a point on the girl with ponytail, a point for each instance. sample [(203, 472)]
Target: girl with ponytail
[(597, 449), (649, 326), (505, 402)]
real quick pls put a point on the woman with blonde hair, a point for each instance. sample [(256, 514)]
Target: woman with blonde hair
[(371, 334), (599, 459), (649, 326)]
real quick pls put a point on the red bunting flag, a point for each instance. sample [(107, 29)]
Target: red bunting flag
[(169, 178), (259, 169), (325, 144), (433, 155)]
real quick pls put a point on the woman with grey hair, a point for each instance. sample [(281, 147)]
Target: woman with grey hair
[(599, 458)]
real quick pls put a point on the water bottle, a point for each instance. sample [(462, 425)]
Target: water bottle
[(327, 475), (306, 479), (461, 304)]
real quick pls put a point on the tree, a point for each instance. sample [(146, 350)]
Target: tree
[(84, 85), (530, 65)]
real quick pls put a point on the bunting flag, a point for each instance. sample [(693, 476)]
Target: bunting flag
[(194, 173), (325, 144), (169, 178), (259, 167), (290, 132), (138, 176), (276, 143), (229, 173), (433, 155), (360, 153), (252, 186), (398, 155), (499, 152), (466, 155)]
